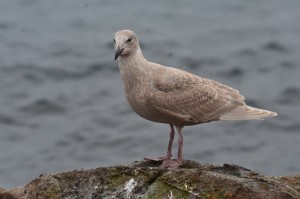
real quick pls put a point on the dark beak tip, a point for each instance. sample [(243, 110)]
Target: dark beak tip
[(117, 53)]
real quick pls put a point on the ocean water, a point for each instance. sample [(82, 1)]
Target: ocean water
[(62, 104)]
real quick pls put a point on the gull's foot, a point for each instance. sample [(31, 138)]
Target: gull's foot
[(170, 163), (158, 159)]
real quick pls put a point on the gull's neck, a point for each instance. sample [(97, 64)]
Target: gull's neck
[(133, 69)]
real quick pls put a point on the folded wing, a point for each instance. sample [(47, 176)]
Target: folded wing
[(199, 99)]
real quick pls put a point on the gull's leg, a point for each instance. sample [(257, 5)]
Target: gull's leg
[(178, 162), (172, 133), (169, 152)]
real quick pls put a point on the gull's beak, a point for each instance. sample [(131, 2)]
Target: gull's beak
[(118, 52)]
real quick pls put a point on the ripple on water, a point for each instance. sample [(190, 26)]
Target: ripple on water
[(275, 46), (289, 96), (43, 106)]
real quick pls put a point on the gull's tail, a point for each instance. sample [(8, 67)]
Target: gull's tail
[(247, 113)]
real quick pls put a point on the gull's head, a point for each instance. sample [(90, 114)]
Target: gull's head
[(126, 43)]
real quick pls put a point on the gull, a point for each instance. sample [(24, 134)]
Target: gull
[(172, 96)]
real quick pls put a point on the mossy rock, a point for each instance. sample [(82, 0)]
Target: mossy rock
[(144, 179)]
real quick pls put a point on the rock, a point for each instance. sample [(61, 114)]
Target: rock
[(144, 179)]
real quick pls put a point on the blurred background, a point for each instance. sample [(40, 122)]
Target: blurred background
[(62, 105)]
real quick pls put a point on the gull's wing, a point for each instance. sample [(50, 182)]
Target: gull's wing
[(191, 97)]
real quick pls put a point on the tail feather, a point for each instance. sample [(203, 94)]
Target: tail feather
[(247, 113)]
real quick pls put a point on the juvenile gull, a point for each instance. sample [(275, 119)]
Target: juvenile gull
[(168, 95)]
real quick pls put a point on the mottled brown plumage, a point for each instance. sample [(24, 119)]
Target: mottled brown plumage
[(176, 97)]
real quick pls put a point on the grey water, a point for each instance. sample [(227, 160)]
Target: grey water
[(62, 105)]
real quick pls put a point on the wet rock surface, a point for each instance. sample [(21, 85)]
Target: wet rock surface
[(143, 179)]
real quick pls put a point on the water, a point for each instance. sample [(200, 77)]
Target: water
[(62, 105)]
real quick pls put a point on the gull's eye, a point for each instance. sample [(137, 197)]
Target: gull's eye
[(128, 40), (114, 41)]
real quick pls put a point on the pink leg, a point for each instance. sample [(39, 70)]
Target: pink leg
[(178, 162), (169, 152)]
